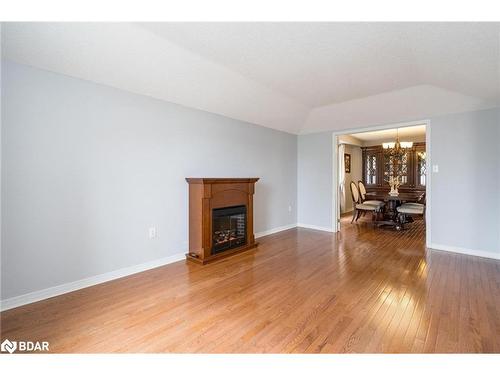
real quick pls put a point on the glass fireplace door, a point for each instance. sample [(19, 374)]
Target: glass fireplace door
[(229, 228)]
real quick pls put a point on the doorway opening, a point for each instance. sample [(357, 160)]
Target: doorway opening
[(385, 167)]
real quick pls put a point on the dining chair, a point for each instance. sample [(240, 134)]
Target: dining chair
[(361, 207), (420, 201), (411, 209), (362, 194)]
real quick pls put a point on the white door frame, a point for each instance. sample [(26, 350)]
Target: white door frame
[(335, 139)]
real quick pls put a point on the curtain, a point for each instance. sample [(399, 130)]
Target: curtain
[(341, 177)]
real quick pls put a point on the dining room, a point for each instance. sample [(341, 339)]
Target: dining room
[(382, 178)]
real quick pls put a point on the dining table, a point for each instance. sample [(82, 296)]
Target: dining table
[(392, 202)]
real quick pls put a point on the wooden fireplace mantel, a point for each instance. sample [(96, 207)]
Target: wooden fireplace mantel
[(207, 194), (211, 181)]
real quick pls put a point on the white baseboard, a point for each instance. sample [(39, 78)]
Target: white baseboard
[(39, 295), (462, 250), (275, 230), (315, 227)]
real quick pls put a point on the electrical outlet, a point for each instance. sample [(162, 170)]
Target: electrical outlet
[(152, 233), (435, 168), (289, 208)]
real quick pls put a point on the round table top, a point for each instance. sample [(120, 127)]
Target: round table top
[(403, 196)]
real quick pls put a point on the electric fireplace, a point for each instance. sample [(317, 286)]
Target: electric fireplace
[(220, 217)]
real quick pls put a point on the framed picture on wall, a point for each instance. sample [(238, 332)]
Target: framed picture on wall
[(347, 163)]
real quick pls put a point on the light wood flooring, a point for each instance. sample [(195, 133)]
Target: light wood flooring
[(362, 290)]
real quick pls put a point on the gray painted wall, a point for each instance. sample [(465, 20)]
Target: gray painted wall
[(314, 179), (87, 169), (465, 192)]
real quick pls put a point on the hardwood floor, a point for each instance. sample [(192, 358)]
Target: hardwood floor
[(361, 290)]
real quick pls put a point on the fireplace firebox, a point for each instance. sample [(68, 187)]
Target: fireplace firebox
[(229, 226), (220, 217)]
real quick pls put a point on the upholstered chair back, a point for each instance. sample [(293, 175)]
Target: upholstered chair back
[(354, 192), (362, 190)]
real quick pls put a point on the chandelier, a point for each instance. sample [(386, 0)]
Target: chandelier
[(397, 149)]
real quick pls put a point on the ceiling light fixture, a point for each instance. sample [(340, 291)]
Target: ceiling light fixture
[(397, 149)]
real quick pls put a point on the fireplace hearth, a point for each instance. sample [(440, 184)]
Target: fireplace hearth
[(220, 217)]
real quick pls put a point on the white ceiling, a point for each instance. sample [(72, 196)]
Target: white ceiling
[(325, 63), (296, 77), (406, 133)]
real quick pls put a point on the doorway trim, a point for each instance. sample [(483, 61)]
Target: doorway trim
[(335, 174)]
